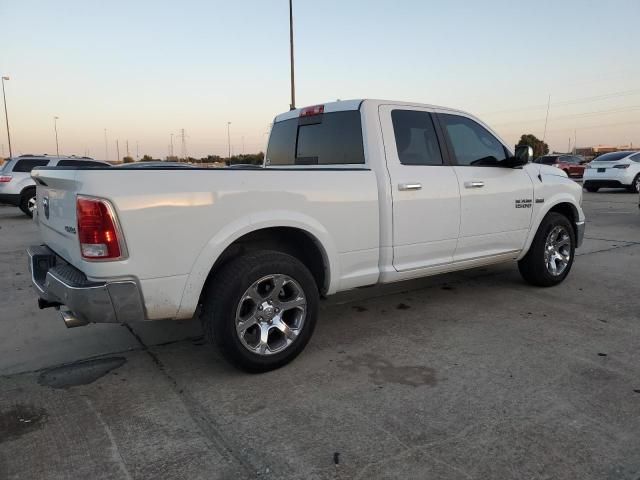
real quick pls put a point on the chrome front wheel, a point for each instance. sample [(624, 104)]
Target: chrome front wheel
[(557, 250)]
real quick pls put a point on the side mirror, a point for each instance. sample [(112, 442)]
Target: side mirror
[(524, 153)]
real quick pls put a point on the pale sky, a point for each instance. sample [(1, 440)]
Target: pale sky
[(146, 69)]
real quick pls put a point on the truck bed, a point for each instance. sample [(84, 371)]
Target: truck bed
[(176, 222)]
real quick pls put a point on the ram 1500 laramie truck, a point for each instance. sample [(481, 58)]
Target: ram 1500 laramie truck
[(351, 194)]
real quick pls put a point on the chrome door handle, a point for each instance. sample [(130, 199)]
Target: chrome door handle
[(474, 184), (409, 186)]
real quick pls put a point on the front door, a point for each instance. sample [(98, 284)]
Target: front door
[(496, 202), (425, 194)]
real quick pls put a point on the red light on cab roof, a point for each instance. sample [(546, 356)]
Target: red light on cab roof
[(313, 110)]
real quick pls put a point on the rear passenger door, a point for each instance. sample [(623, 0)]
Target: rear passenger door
[(425, 194), (496, 201)]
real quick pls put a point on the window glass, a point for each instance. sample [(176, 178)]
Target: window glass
[(609, 157), (79, 163), (327, 139), (416, 139), (472, 144), (28, 165), (636, 157), (547, 160), (282, 143)]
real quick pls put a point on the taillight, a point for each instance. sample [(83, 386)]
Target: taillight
[(621, 166), (5, 178), (98, 230), (310, 111)]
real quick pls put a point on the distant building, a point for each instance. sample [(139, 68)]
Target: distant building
[(592, 152)]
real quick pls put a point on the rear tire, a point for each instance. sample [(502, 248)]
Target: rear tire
[(591, 188), (260, 310), (550, 257), (28, 201)]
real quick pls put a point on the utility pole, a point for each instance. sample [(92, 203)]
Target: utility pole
[(127, 144), (292, 106), (575, 141), (243, 144), (544, 135), (184, 144), (106, 146), (6, 115), (171, 146), (229, 138), (137, 150), (569, 146), (118, 149), (55, 127)]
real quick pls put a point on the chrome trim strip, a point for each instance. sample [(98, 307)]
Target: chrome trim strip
[(580, 228)]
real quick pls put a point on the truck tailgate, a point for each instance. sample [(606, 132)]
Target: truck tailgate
[(56, 212)]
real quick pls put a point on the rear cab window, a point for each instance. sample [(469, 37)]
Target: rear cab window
[(333, 138)]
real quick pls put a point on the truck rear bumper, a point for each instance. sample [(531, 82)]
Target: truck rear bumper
[(60, 284)]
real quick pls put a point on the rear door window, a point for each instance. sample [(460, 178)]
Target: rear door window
[(327, 139), (416, 139), (27, 165), (79, 163), (472, 144)]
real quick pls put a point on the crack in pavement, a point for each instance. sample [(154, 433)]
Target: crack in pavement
[(202, 419)]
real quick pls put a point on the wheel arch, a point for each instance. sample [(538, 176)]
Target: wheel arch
[(308, 242), (564, 205)]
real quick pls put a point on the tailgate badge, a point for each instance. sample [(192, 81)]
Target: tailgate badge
[(45, 205)]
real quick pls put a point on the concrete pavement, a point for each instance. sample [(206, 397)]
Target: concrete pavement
[(471, 375)]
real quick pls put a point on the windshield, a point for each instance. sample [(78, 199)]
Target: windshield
[(610, 157)]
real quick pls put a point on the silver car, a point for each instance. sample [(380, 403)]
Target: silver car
[(17, 188)]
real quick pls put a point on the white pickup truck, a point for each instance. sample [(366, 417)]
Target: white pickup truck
[(352, 193)]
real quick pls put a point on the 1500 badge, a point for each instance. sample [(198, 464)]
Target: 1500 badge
[(524, 203), (69, 229)]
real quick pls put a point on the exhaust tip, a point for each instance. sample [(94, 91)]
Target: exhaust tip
[(71, 321)]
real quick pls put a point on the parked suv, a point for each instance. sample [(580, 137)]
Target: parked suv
[(18, 188), (570, 164), (614, 170)]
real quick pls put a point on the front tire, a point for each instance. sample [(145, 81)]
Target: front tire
[(635, 185), (260, 310), (591, 188), (28, 202), (550, 257)]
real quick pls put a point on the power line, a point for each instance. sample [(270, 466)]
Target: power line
[(575, 101), (575, 115)]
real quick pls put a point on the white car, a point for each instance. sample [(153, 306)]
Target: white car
[(613, 170), (352, 193), (17, 188)]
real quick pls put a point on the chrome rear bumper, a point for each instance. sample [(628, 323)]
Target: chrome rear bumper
[(61, 284)]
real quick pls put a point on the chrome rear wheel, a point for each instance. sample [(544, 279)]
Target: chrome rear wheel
[(271, 314)]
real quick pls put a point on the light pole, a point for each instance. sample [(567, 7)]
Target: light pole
[(6, 115), (293, 82), (55, 127), (229, 138)]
